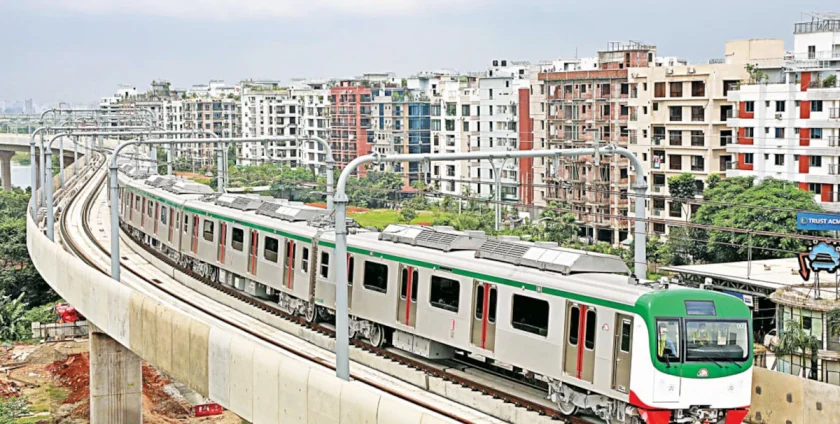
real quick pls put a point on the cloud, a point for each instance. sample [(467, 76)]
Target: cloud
[(225, 10)]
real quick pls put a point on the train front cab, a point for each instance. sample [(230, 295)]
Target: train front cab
[(692, 358)]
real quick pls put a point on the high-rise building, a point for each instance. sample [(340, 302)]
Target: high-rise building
[(504, 109), (589, 108), (454, 121), (400, 123), (677, 125), (313, 100), (350, 115), (268, 109), (787, 122)]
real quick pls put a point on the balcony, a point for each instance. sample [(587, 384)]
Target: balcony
[(726, 140), (731, 165), (833, 169), (633, 138), (657, 141), (834, 113)]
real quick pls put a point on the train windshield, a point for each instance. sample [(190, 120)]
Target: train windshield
[(711, 340)]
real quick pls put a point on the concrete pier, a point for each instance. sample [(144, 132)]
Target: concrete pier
[(6, 165), (116, 382)]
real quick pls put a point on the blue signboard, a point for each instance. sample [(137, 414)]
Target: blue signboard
[(817, 221)]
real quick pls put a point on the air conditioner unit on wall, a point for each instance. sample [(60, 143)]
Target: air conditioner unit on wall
[(669, 71), (691, 70), (778, 115)]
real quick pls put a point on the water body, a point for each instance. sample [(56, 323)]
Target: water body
[(20, 175)]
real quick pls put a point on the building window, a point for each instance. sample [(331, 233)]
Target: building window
[(530, 315), (376, 277), (697, 138), (780, 133), (435, 125), (659, 90), (816, 161), (208, 230), (675, 138), (325, 265), (445, 293), (658, 228), (779, 160), (675, 162), (676, 89), (698, 114), (270, 251), (816, 133), (698, 163), (655, 106), (675, 113), (749, 107), (698, 88), (749, 132), (748, 158), (465, 110), (816, 106), (238, 239), (815, 188), (780, 105)]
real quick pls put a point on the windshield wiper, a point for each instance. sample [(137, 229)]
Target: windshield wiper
[(733, 361), (709, 358)]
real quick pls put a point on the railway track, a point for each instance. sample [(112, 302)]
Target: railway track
[(442, 373)]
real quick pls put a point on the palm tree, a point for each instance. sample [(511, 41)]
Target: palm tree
[(12, 326), (794, 341)]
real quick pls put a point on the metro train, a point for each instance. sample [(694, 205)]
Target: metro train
[(599, 340)]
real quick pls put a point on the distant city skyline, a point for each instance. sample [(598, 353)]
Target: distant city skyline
[(80, 51)]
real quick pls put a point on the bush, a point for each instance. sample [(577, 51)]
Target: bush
[(830, 81)]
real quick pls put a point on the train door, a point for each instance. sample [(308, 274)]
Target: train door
[(622, 353), (484, 316), (157, 217), (172, 222), (289, 267), (407, 301), (579, 352), (195, 234), (222, 242), (143, 213), (252, 254)]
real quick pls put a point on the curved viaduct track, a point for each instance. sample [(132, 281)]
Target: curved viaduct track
[(490, 392)]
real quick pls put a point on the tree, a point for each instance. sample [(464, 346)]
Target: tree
[(13, 408), (713, 181), (375, 190), (559, 225), (682, 189), (757, 76), (830, 81), (832, 319), (407, 214), (795, 341), (403, 83), (12, 325), (729, 205)]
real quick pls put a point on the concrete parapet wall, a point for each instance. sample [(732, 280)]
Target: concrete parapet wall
[(786, 399), (258, 381)]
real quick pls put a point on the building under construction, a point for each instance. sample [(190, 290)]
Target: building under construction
[(589, 108)]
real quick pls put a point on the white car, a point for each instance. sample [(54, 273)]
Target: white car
[(771, 340)]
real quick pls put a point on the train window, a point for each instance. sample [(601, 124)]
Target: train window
[(668, 340), (376, 277), (137, 203), (530, 315), (291, 251), (304, 260), (208, 230), (492, 306), (415, 276), (350, 267), (238, 239), (479, 302), (150, 207), (186, 223), (626, 327), (272, 247), (325, 264), (699, 307), (591, 325), (574, 325), (445, 293), (163, 217)]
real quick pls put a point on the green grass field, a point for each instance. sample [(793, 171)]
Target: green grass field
[(380, 218)]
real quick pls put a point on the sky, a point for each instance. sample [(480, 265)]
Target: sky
[(80, 50)]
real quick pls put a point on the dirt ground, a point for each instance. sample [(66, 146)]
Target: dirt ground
[(54, 377)]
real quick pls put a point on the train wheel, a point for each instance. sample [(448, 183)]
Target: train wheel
[(311, 314), (566, 408), (377, 336)]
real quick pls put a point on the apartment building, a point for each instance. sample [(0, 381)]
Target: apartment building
[(350, 121), (313, 100), (503, 110), (454, 122), (589, 108), (788, 115), (678, 124), (268, 109)]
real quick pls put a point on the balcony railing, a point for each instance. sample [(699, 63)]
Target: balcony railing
[(832, 141), (833, 169), (731, 165), (697, 167), (657, 141), (726, 140), (834, 113)]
